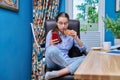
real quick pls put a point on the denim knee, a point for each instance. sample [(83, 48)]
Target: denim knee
[(51, 50), (55, 55)]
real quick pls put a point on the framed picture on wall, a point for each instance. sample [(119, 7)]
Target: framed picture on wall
[(117, 6), (10, 4)]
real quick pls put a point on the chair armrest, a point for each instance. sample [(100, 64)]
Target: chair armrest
[(75, 52), (118, 48)]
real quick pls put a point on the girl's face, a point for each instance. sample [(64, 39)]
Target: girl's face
[(62, 23)]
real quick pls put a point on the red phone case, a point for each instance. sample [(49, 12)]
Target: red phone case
[(54, 35)]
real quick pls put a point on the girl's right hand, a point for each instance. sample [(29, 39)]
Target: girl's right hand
[(54, 41)]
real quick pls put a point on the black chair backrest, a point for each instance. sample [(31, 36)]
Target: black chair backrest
[(73, 24)]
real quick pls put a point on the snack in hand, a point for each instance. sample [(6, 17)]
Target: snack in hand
[(67, 32)]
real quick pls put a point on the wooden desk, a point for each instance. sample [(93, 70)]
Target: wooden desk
[(97, 66)]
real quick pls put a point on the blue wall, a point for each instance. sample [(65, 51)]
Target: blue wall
[(16, 42), (62, 6), (110, 11)]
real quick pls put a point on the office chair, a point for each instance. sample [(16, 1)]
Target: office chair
[(74, 51)]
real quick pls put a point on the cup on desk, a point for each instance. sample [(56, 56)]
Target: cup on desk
[(106, 46)]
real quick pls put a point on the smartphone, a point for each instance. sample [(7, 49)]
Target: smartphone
[(54, 35)]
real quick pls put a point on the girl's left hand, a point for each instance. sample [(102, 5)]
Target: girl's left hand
[(73, 34)]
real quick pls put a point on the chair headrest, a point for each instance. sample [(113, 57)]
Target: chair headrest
[(73, 24)]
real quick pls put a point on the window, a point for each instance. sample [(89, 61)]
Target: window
[(90, 14), (87, 12)]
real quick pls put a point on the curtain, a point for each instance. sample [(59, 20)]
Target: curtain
[(42, 11)]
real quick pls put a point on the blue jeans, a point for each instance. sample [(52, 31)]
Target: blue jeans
[(55, 60)]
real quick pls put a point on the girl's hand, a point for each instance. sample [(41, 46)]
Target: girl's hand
[(54, 42), (73, 34)]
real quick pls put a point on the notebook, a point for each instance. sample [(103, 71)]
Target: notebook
[(114, 52)]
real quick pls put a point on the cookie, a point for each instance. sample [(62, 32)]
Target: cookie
[(67, 32)]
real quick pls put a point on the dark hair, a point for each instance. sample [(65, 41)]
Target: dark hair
[(62, 14)]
